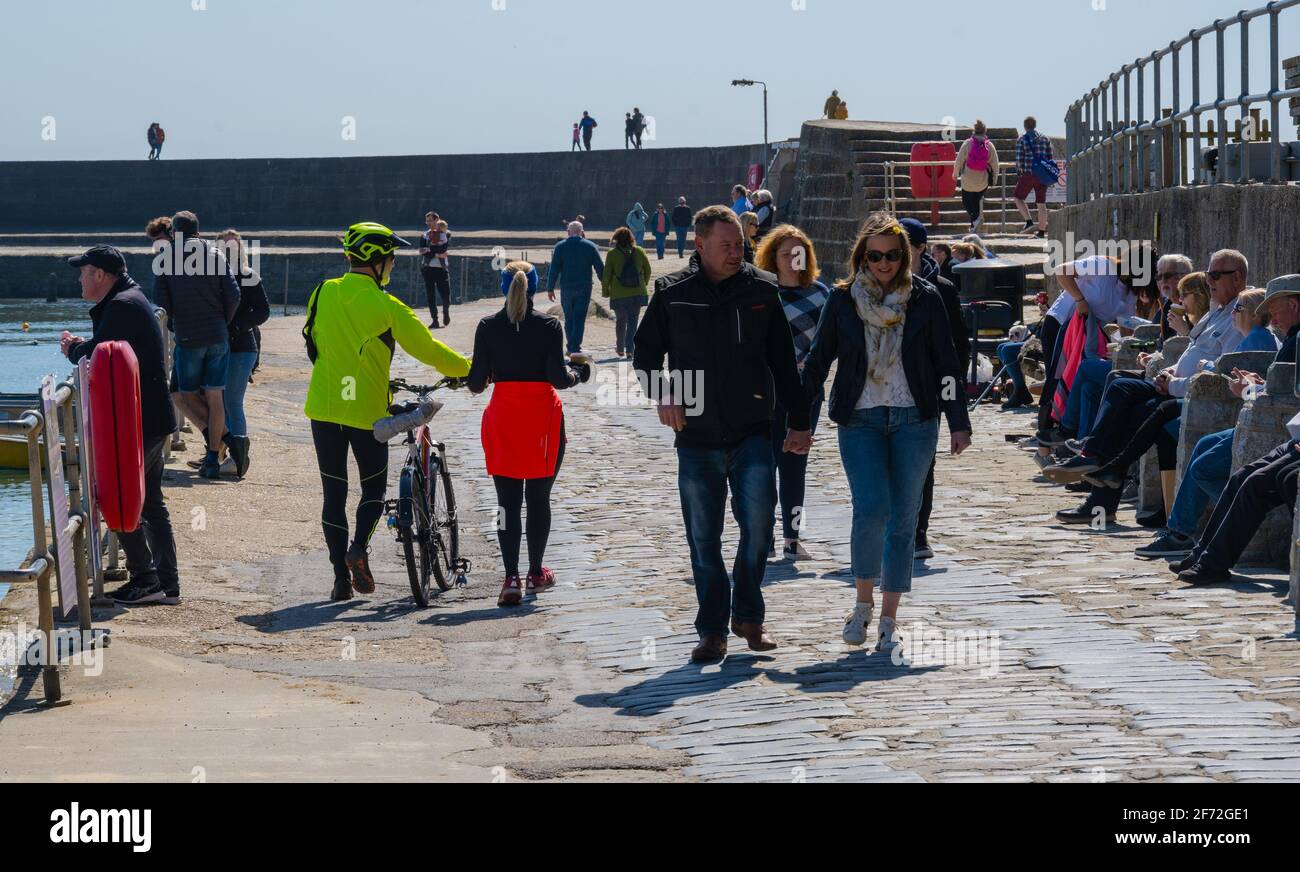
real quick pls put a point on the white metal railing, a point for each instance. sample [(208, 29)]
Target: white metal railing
[(1108, 150)]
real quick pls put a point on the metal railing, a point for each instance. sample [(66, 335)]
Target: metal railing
[(31, 425), (1113, 152)]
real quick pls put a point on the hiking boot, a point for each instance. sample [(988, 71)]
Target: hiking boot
[(358, 561), (711, 649), (510, 593), (539, 581), (139, 591), (1168, 545)]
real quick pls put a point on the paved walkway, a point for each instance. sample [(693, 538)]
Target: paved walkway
[(1078, 662)]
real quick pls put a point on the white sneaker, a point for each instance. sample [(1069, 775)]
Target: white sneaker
[(885, 641), (855, 625)]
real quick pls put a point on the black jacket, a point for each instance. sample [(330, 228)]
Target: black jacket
[(199, 304), (934, 374), (956, 319), (533, 351), (124, 314), (733, 343), (683, 217), (252, 312)]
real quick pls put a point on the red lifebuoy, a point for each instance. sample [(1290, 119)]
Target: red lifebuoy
[(934, 183), (116, 436)]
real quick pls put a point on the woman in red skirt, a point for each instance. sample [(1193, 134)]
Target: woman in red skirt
[(522, 352)]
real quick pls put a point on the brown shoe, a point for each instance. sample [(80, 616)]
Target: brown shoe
[(755, 635), (710, 650)]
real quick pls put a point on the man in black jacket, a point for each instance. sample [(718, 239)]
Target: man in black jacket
[(682, 218), (722, 327), (121, 312)]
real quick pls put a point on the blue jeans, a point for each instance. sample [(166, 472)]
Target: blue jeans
[(1085, 396), (237, 373), (886, 455), (1009, 354), (574, 304), (681, 239), (660, 240), (703, 476), (201, 367), (1206, 476)]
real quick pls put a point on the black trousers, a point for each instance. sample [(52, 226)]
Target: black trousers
[(512, 493), (586, 139), (151, 547), (332, 443), (927, 504), (1252, 492), (1052, 335), (437, 283), (974, 203)]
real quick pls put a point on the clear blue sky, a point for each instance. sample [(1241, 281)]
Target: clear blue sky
[(275, 78)]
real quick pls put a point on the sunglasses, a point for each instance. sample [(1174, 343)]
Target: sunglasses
[(1237, 307), (1215, 275), (892, 256)]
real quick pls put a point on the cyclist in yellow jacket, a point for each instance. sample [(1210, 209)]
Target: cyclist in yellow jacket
[(353, 328)]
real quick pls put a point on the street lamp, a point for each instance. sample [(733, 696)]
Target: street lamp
[(745, 83)]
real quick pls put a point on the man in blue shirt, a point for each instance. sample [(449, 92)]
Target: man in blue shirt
[(1029, 148), (572, 263), (587, 124)]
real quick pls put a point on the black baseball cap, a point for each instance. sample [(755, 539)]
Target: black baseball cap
[(106, 257)]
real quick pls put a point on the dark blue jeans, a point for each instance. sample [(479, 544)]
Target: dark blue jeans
[(681, 239), (703, 477), (660, 240), (1126, 403)]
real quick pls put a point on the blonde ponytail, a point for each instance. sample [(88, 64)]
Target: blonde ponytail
[(517, 298)]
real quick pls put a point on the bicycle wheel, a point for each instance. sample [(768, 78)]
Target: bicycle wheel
[(415, 535), (445, 529)]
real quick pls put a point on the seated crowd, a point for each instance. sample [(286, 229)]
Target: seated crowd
[(1096, 421)]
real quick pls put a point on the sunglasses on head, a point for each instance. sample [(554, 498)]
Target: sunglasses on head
[(1217, 274), (893, 256)]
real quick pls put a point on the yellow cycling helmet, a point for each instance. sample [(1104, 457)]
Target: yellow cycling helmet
[(368, 240)]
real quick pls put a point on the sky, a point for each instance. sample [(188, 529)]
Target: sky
[(83, 79)]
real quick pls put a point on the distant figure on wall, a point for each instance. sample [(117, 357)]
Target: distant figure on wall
[(156, 136), (577, 138), (587, 124), (832, 105), (629, 132), (638, 126)]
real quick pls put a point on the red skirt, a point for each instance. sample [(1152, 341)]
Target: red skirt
[(521, 430)]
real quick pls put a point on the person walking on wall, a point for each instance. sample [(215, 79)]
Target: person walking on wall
[(573, 263), (577, 138), (156, 136), (588, 124), (629, 132), (625, 282), (832, 105), (638, 126)]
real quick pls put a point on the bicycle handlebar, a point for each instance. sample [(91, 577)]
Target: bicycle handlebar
[(448, 383)]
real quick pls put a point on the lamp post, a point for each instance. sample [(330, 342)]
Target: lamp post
[(746, 83)]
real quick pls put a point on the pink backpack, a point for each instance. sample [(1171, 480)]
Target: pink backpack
[(978, 159)]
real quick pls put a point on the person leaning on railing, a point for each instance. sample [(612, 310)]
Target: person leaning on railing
[(122, 313)]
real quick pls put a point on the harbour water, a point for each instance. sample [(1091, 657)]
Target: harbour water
[(26, 356)]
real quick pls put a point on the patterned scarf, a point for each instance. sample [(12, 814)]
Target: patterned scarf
[(883, 316)]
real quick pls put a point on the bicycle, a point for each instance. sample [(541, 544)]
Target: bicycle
[(423, 516)]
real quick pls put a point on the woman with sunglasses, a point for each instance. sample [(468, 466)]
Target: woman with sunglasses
[(897, 370)]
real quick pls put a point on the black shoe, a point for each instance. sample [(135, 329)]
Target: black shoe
[(1051, 438), (342, 589), (1199, 575), (1042, 234), (1073, 469), (434, 325), (1169, 545), (139, 592), (446, 318), (1028, 224), (211, 466), (238, 446), (1078, 487), (1084, 514), (1107, 476), (1152, 520), (1186, 563), (1018, 400), (171, 595)]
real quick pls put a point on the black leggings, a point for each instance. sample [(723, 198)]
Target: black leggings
[(437, 283), (332, 442), (974, 203), (511, 494)]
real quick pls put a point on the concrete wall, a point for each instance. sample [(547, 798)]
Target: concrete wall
[(486, 190), (829, 202), (1262, 221)]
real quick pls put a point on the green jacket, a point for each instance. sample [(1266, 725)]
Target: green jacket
[(609, 284), (356, 328)]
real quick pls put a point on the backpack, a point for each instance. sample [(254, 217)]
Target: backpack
[(630, 275), (978, 158)]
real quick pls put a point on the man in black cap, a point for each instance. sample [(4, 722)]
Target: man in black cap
[(121, 312)]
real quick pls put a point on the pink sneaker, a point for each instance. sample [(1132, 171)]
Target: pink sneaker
[(510, 594), (540, 581)]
